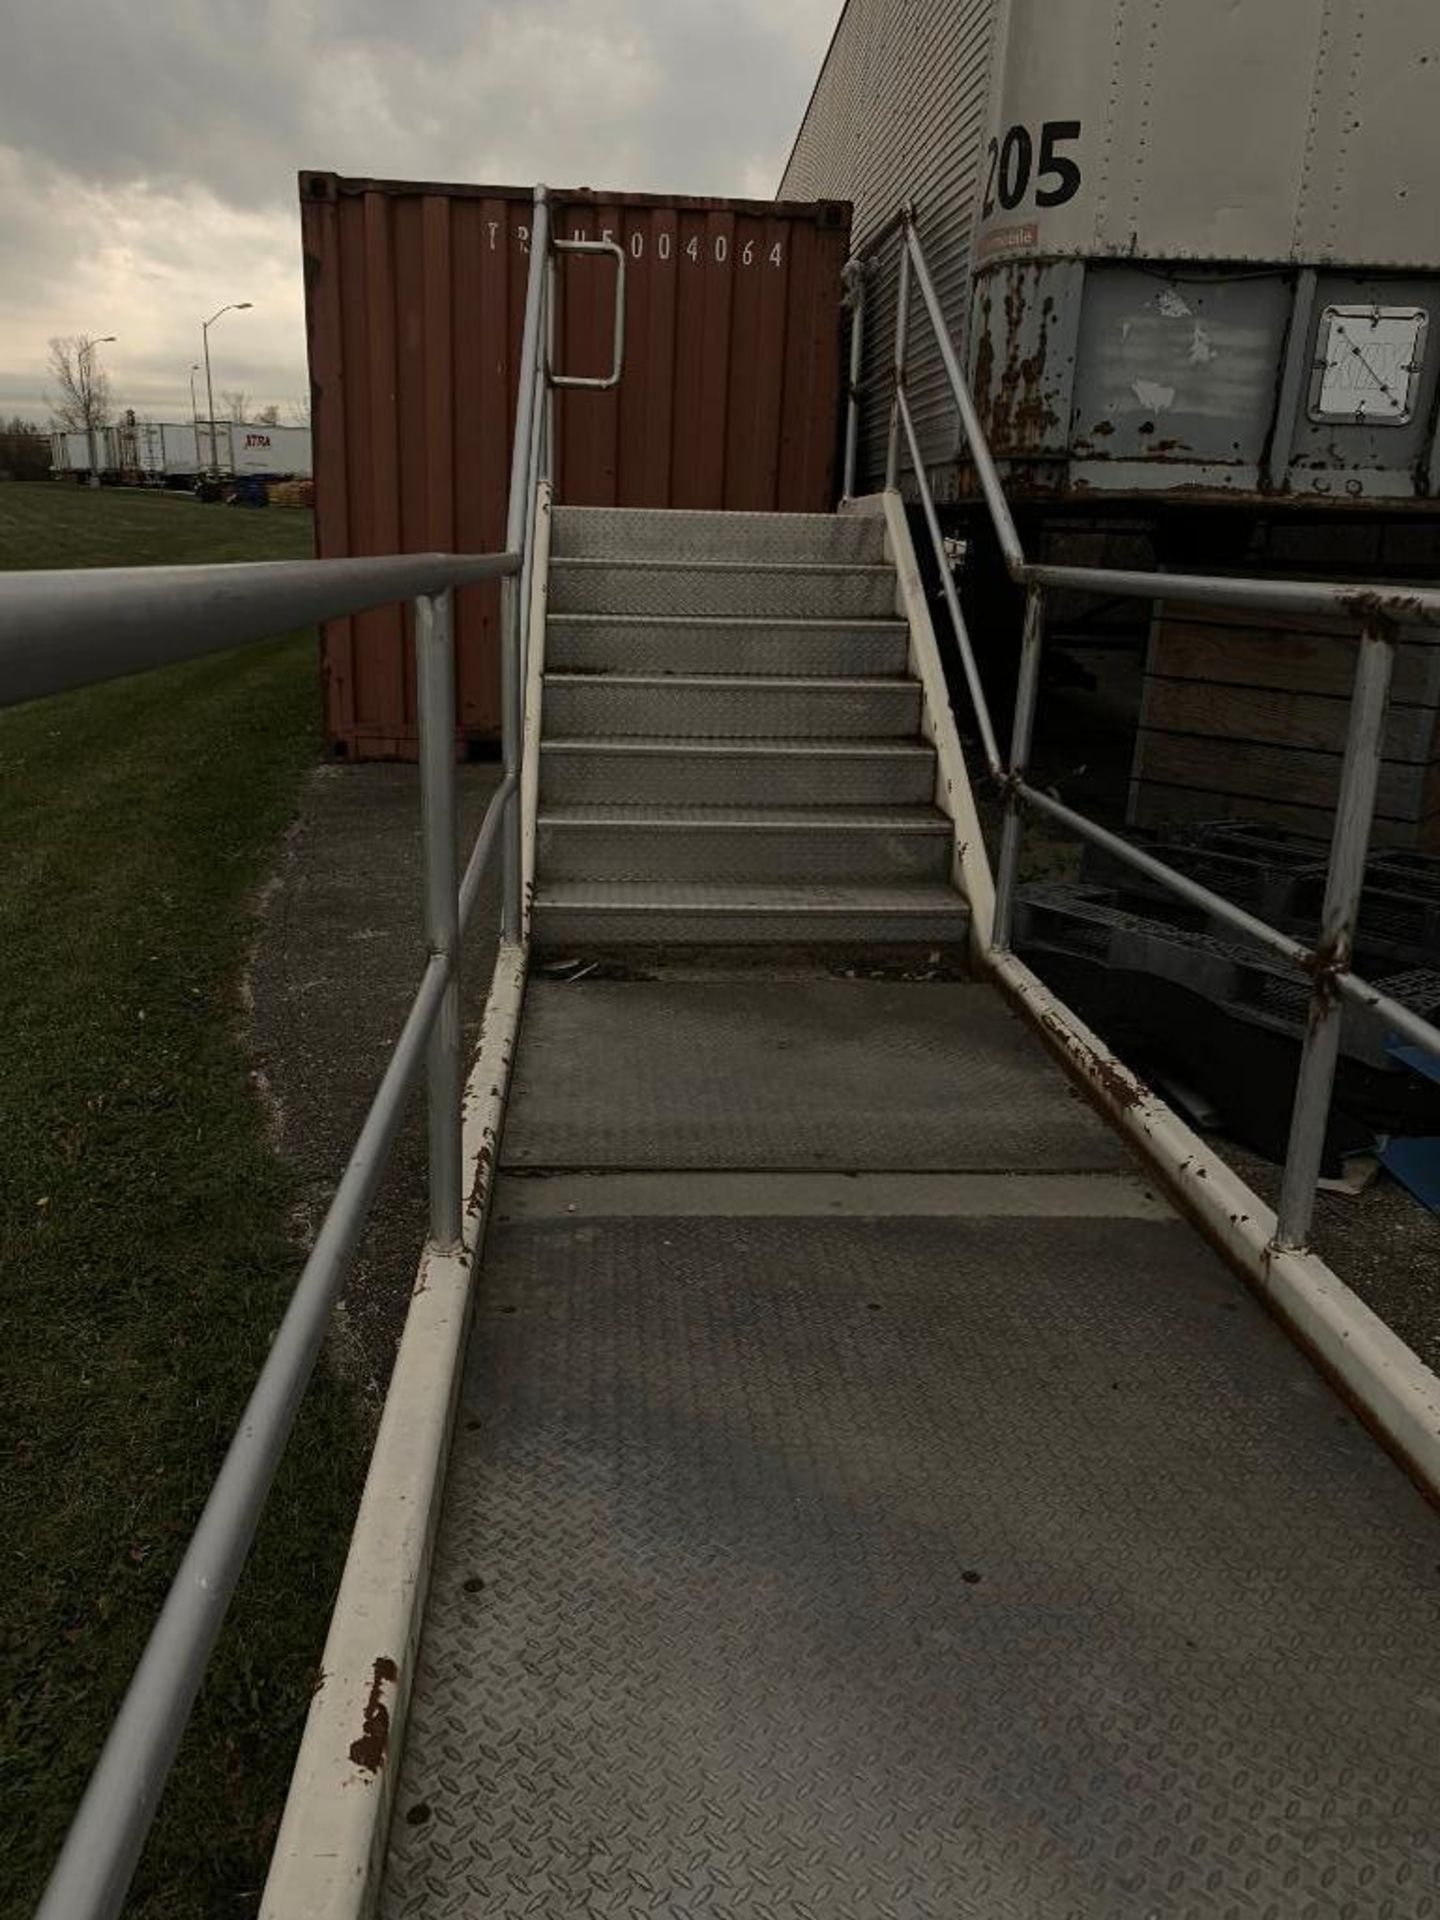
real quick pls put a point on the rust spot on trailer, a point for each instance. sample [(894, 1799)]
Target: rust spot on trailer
[(368, 1752), (1011, 380)]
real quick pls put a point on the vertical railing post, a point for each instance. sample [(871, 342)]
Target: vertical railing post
[(857, 358), (1026, 691), (902, 347), (1349, 849), (539, 396), (552, 447), (435, 704), (513, 612)]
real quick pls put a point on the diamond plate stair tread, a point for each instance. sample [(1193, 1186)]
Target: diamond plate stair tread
[(721, 622), (822, 590), (750, 747), (911, 1570), (730, 706), (752, 895), (586, 643), (851, 1074), (796, 846), (681, 683), (735, 567), (629, 533), (901, 819)]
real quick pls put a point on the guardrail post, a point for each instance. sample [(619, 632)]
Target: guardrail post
[(902, 343), (1026, 691), (1350, 846), (513, 612), (512, 915), (857, 358), (435, 705)]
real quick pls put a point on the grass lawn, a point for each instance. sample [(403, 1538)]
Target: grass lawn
[(143, 1216)]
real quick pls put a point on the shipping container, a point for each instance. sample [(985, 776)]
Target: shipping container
[(1186, 248), (728, 398)]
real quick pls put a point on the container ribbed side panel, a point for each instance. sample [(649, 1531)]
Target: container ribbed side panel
[(901, 111)]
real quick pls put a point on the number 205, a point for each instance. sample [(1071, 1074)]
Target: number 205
[(1012, 167)]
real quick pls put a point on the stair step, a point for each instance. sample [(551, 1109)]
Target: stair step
[(633, 643), (673, 771), (642, 533), (580, 914), (686, 589), (717, 706), (742, 843)]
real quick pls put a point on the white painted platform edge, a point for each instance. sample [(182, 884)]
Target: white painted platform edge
[(329, 1855), (1395, 1390)]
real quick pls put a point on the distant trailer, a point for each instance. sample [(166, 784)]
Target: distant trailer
[(76, 453), (171, 453), (272, 451), (1188, 250)]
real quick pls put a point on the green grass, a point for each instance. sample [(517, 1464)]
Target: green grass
[(143, 1238)]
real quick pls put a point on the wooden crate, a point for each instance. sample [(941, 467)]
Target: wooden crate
[(1244, 716)]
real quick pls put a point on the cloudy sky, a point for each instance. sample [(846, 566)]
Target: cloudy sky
[(148, 148)]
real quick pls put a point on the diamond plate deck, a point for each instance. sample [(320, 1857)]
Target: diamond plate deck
[(912, 1570), (821, 1073)]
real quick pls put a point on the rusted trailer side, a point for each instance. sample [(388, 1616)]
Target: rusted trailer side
[(414, 297)]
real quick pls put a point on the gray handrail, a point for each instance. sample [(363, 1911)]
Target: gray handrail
[(63, 630), (1403, 606), (60, 630), (1382, 612)]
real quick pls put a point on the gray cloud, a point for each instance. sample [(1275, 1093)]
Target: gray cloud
[(147, 171)]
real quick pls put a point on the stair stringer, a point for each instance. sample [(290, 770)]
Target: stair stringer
[(954, 795)]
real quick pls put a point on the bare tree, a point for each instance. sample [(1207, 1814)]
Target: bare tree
[(236, 403), (299, 411), (267, 416), (81, 401)]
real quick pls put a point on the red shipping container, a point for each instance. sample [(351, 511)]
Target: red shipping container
[(729, 398)]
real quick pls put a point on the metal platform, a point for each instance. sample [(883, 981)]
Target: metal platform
[(907, 1544), (850, 1074)]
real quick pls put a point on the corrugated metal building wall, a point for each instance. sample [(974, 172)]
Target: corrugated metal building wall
[(900, 111), (414, 300)]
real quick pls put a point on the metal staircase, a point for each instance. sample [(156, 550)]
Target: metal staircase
[(731, 748), (820, 1473)]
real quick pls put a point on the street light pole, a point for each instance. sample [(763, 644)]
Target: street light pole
[(235, 306), (195, 416), (84, 358)]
